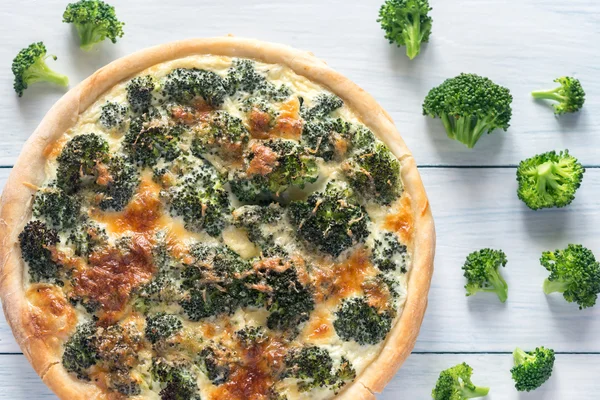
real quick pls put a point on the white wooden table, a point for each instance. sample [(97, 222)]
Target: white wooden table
[(522, 44)]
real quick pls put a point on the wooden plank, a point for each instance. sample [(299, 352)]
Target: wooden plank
[(574, 377), (522, 44)]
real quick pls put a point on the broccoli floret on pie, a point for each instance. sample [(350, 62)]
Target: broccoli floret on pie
[(37, 241), (79, 160), (357, 321), (184, 85)]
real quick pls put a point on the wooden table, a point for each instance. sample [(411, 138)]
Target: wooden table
[(522, 44)]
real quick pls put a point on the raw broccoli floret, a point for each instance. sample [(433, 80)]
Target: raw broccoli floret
[(374, 173), (334, 138), (357, 320), (56, 207), (549, 180), (389, 254), (162, 326), (569, 95), (314, 368), (95, 21), (273, 167), (183, 85), (406, 23), (575, 273), (331, 220), (323, 105), (482, 270), (29, 66), (200, 198), (139, 93), (113, 115), (532, 368), (78, 161), (455, 384), (221, 133), (469, 105), (148, 143), (120, 185), (79, 351), (35, 240), (177, 382)]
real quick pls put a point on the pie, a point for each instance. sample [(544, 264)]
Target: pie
[(216, 219)]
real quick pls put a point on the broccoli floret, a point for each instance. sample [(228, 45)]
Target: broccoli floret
[(482, 270), (123, 382), (121, 185), (183, 85), (29, 66), (79, 159), (162, 326), (569, 95), (223, 261), (113, 115), (389, 254), (374, 172), (251, 336), (56, 207), (357, 320), (549, 180), (79, 351), (532, 368), (455, 384), (35, 240), (177, 382), (313, 367), (331, 220), (243, 77), (323, 105), (139, 93), (222, 133), (208, 301), (148, 143), (406, 23), (95, 21), (290, 302), (469, 105), (575, 273), (263, 226), (200, 198), (333, 138), (273, 167), (86, 238), (215, 365)]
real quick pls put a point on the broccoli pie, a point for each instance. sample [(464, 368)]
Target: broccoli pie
[(216, 219)]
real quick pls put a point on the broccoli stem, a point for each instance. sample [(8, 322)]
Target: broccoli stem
[(412, 36), (463, 131), (549, 95), (546, 177), (88, 35), (519, 356), (555, 286), (476, 392), (41, 72)]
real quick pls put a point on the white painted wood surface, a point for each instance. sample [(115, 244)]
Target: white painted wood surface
[(523, 44)]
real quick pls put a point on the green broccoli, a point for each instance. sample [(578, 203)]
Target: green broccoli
[(29, 66), (314, 368), (482, 270), (80, 351), (162, 326), (56, 207), (374, 173), (215, 365), (36, 240), (532, 368), (183, 85), (87, 237), (455, 384), (95, 21), (242, 78), (358, 321), (177, 382), (575, 273), (549, 180), (323, 105), (334, 138), (113, 115), (263, 226), (139, 93), (406, 23), (251, 336), (79, 159), (279, 164), (122, 185), (147, 143), (389, 254), (221, 134), (569, 95), (469, 105), (331, 220)]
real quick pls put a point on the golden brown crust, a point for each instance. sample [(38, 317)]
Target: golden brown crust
[(15, 204)]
